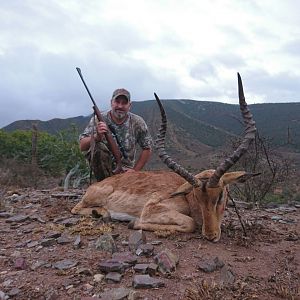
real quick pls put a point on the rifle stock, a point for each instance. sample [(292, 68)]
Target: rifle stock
[(112, 145)]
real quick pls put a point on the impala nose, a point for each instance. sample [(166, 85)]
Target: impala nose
[(212, 237)]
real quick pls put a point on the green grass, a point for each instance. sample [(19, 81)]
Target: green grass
[(274, 198)]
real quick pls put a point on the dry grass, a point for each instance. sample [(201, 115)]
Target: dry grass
[(286, 280), (165, 233), (204, 291), (89, 226), (287, 292), (16, 174)]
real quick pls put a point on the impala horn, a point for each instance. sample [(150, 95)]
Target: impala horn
[(160, 146), (243, 147)]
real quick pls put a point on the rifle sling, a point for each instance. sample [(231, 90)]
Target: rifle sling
[(112, 130), (92, 147)]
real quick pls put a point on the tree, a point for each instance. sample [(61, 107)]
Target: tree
[(263, 158), (54, 155)]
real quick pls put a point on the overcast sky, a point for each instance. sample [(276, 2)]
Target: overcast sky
[(180, 49)]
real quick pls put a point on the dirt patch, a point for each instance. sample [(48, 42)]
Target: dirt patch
[(47, 253)]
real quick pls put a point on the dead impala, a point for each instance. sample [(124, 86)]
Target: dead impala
[(176, 201)]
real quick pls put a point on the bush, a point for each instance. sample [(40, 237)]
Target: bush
[(56, 155), (14, 173), (274, 171), (296, 198), (274, 198)]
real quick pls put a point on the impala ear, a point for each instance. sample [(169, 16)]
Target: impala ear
[(237, 177), (183, 190)]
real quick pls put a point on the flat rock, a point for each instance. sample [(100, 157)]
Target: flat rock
[(125, 257), (14, 292), (141, 268), (111, 265), (145, 281), (70, 222), (20, 263), (166, 261), (22, 244), (84, 271), (287, 209), (65, 195), (113, 277), (5, 214), (64, 239), (48, 242), (116, 294), (99, 277), (152, 269), (33, 244), (65, 264), (136, 239), (16, 197), (106, 243), (77, 243), (145, 249), (38, 218), (227, 276), (276, 218), (122, 217), (155, 243), (53, 235), (3, 296), (210, 266), (17, 219), (38, 264)]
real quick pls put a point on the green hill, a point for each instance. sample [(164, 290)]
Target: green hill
[(199, 125)]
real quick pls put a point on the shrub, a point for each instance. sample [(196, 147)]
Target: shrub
[(56, 155)]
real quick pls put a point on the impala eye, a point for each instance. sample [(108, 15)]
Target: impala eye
[(220, 198)]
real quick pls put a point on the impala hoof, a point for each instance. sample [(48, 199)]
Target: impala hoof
[(95, 214), (131, 224)]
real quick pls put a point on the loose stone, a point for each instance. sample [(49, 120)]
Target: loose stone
[(145, 281), (113, 277)]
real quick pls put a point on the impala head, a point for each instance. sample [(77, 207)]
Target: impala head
[(212, 203), (207, 192)]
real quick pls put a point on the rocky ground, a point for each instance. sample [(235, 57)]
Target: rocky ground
[(47, 253)]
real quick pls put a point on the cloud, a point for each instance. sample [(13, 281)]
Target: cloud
[(281, 87), (178, 49), (203, 70), (292, 48), (48, 85)]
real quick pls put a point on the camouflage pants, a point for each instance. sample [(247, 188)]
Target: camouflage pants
[(101, 163)]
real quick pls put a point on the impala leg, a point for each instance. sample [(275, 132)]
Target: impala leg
[(165, 220), (88, 211)]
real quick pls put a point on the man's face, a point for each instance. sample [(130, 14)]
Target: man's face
[(120, 107)]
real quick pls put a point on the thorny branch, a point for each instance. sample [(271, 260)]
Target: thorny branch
[(238, 214)]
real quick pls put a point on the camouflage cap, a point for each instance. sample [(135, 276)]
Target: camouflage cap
[(120, 92)]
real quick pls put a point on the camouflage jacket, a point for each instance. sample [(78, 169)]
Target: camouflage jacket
[(132, 132)]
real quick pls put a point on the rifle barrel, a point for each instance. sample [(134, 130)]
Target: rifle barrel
[(112, 145), (79, 72)]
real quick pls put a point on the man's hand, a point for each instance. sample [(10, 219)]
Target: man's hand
[(101, 129), (130, 171)]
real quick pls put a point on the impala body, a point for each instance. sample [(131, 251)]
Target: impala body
[(147, 196), (175, 201)]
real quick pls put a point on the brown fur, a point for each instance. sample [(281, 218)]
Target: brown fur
[(147, 196)]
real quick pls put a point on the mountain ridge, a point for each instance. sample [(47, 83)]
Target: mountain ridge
[(206, 123)]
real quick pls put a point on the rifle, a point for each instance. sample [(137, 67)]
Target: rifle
[(113, 147)]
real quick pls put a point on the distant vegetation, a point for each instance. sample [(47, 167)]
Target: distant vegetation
[(277, 181), (199, 135), (56, 154), (208, 123)]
